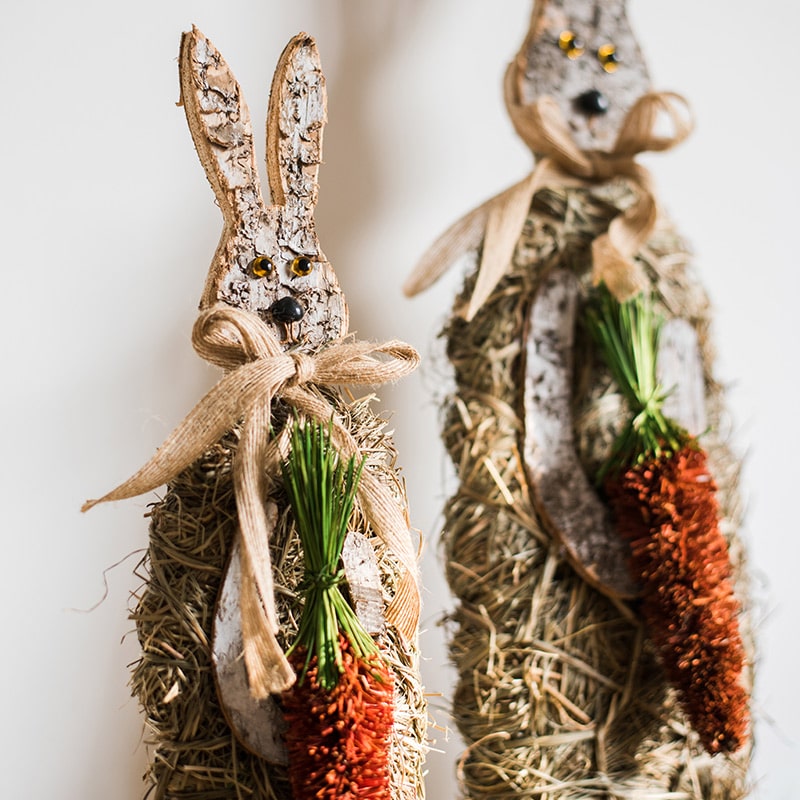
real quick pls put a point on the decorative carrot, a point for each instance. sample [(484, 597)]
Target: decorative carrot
[(339, 714), (663, 500)]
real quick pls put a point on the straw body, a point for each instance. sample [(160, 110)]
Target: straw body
[(560, 692), (192, 530)]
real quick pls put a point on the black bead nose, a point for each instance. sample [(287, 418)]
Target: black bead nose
[(592, 102), (287, 310)]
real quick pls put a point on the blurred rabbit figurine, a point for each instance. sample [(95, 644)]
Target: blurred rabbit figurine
[(560, 692), (221, 600)]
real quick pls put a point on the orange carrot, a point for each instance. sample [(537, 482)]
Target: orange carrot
[(663, 501), (667, 509), (338, 739), (340, 712)]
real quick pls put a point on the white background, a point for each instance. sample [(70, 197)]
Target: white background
[(108, 225)]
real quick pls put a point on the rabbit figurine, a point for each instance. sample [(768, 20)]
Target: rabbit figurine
[(222, 594), (560, 691)]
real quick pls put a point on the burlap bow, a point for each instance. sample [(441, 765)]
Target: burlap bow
[(498, 222), (258, 370)]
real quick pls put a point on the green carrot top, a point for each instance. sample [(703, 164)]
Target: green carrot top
[(628, 335), (322, 489)]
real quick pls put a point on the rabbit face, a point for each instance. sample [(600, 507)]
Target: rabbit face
[(274, 269), (268, 260), (585, 56)]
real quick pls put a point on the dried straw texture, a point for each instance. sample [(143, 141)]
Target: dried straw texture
[(560, 694), (195, 756)]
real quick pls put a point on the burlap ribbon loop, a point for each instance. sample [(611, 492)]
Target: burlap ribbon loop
[(258, 370), (497, 223)]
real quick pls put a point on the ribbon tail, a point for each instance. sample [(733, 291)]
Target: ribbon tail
[(507, 216), (624, 277), (205, 425), (613, 252), (268, 669), (463, 236), (389, 522), (404, 610)]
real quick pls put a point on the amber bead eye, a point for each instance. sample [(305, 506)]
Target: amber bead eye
[(570, 45), (302, 266), (607, 56), (261, 266)]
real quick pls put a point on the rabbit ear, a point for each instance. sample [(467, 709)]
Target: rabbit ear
[(295, 121), (220, 124), (569, 12)]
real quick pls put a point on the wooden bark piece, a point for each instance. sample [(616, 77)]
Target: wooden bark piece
[(566, 501), (364, 581), (257, 724), (680, 373)]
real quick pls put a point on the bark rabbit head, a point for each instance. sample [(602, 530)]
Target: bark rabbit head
[(268, 260), (584, 55)]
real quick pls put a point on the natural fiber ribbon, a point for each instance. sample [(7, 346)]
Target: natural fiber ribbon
[(258, 370), (499, 221)]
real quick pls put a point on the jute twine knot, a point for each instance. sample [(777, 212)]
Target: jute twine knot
[(304, 368), (498, 222), (257, 371)]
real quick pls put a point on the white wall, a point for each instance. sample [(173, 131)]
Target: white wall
[(108, 226)]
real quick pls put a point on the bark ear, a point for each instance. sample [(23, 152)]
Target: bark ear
[(219, 121), (295, 121), (615, 6)]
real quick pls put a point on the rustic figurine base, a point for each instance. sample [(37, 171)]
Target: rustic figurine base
[(559, 691), (227, 577)]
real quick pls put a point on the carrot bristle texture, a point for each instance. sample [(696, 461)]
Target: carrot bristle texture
[(338, 739), (666, 507)]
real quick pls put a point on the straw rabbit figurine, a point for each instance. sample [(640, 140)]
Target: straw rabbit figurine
[(560, 692), (222, 598)]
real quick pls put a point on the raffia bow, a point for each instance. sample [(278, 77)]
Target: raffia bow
[(258, 370), (499, 221)]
